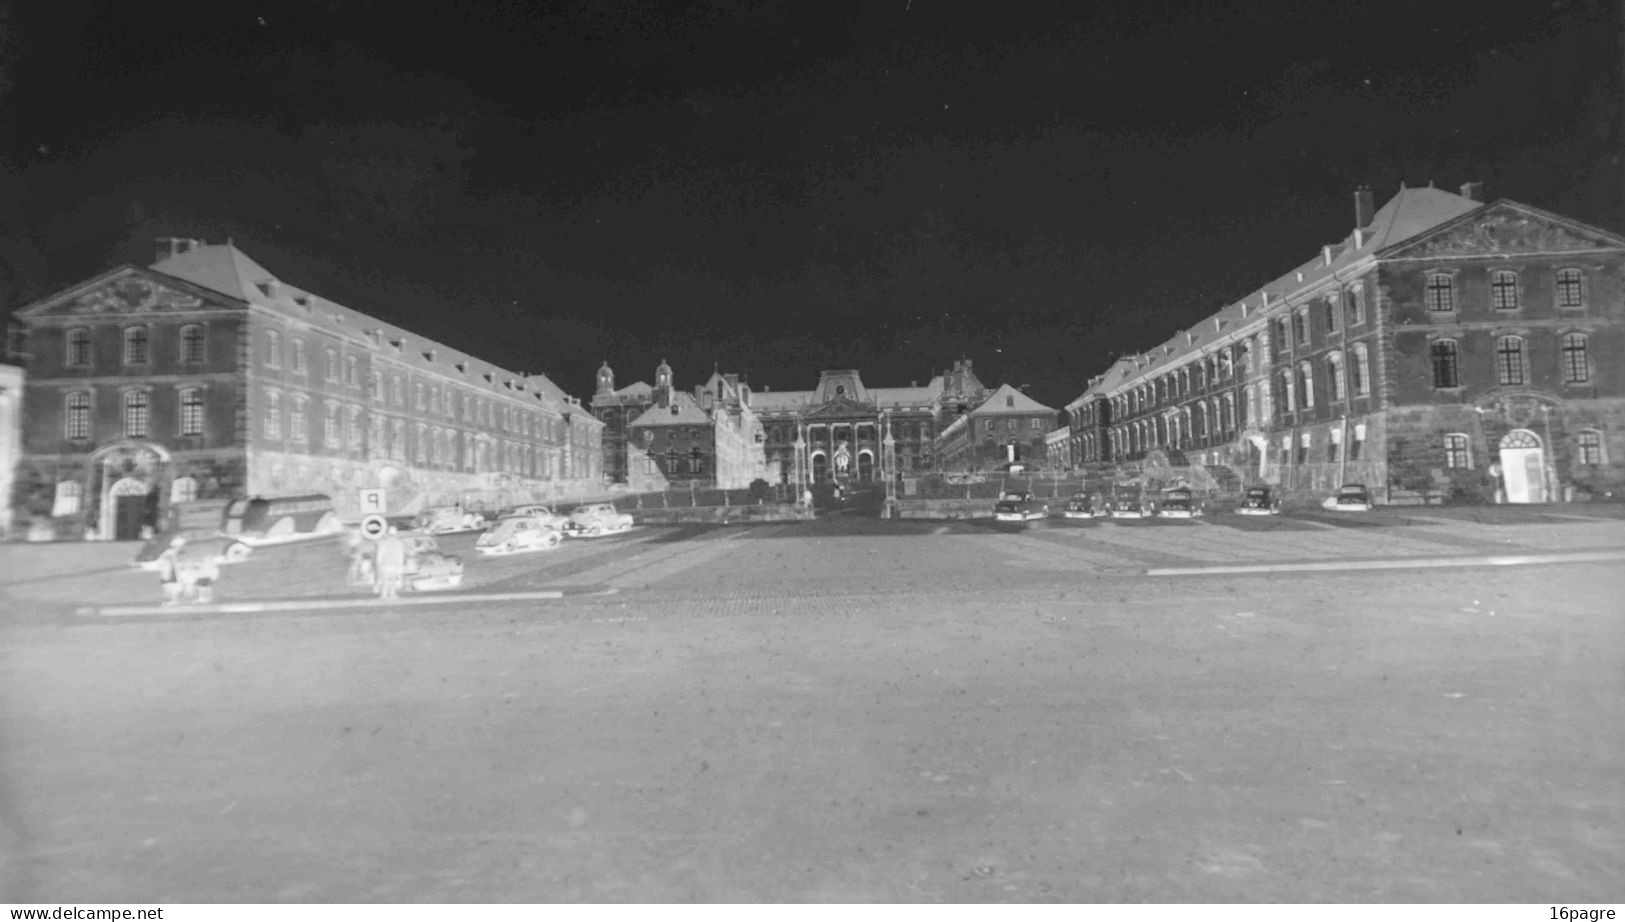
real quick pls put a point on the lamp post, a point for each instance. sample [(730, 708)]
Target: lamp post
[(1549, 469), (888, 466), (798, 463)]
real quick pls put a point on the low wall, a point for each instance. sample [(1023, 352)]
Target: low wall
[(721, 514), (945, 509)]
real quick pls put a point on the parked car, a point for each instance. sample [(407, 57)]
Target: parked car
[(1019, 507), (1081, 506), (1127, 501), (260, 520), (594, 519), (1350, 497), (199, 542), (516, 534), (433, 570), (1259, 501), (1179, 503), (541, 510), (440, 520)]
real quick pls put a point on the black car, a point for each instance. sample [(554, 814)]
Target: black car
[(1127, 501), (1350, 497), (1259, 501), (1081, 506), (1180, 503), (1019, 507)]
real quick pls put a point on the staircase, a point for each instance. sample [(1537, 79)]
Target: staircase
[(1225, 479)]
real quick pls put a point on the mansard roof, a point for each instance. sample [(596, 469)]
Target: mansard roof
[(688, 413), (225, 269)]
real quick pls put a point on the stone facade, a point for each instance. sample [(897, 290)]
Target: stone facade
[(710, 436), (1447, 350), (206, 376), (11, 438), (1007, 426)]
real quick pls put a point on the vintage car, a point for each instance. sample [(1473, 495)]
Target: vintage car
[(545, 512), (1019, 507), (199, 541), (1127, 501), (1179, 503), (433, 570), (1350, 497), (515, 534), (1081, 506), (594, 519), (1259, 501), (440, 520)]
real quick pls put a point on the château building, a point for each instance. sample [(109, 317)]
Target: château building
[(1446, 349), (205, 375)]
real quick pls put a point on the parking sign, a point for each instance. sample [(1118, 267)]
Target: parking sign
[(372, 501)]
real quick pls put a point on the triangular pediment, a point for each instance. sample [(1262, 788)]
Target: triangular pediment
[(840, 408), (1507, 229), (125, 291)]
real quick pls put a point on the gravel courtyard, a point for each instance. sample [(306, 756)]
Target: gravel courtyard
[(841, 711)]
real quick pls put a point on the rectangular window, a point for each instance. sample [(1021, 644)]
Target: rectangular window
[(1509, 360), (298, 429), (135, 346), (1303, 448), (1441, 293), (400, 391), (1354, 300), (378, 387), (273, 349), (1590, 447), (1301, 319), (78, 353), (191, 411), (1357, 446), (1504, 291), (352, 371), (1570, 289), (76, 422), (135, 414), (298, 356), (1331, 316), (1334, 444), (1576, 367), (192, 344), (273, 415), (332, 365), (1445, 372), (1455, 451)]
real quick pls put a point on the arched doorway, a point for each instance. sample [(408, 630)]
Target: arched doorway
[(132, 505), (1523, 467), (820, 467), (866, 466)]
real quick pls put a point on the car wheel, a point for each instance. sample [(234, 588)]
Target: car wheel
[(510, 547), (238, 552), (552, 540), (594, 530)]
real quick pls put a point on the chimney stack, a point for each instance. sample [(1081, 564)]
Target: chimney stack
[(174, 246), (1473, 190), (1365, 206)]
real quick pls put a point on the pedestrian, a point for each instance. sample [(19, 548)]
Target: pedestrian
[(205, 573), (168, 571), (389, 564)]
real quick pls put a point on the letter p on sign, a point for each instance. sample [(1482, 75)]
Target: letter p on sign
[(372, 502)]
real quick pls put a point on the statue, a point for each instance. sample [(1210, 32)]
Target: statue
[(843, 458)]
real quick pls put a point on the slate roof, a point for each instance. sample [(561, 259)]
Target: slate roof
[(688, 413), (225, 269), (883, 397), (1019, 403)]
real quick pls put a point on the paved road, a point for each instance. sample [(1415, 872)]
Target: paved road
[(850, 710)]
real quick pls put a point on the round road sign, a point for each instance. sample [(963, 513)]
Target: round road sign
[(374, 526)]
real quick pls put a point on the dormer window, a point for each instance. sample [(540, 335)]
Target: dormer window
[(674, 409), (1009, 400), (267, 289)]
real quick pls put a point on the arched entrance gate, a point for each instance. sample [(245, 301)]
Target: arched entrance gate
[(1523, 467)]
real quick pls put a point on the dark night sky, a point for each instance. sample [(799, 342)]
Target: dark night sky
[(778, 187)]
